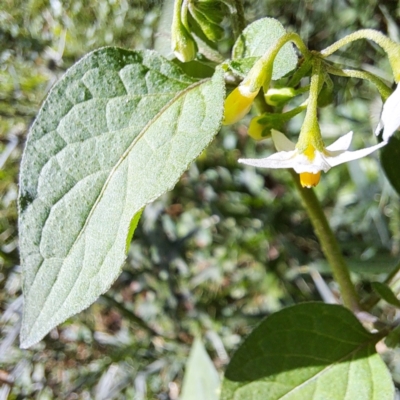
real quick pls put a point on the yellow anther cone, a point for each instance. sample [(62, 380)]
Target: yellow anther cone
[(308, 179)]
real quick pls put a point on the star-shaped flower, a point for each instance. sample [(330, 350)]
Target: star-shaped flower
[(309, 162), (390, 117)]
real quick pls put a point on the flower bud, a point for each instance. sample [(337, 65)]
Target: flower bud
[(238, 104), (183, 44), (277, 97), (260, 127)]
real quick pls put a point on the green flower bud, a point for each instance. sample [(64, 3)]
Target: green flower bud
[(205, 19), (183, 44), (258, 130), (279, 96)]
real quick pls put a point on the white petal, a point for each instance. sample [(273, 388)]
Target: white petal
[(283, 159), (303, 163), (290, 159), (341, 144), (281, 142), (352, 155), (390, 117)]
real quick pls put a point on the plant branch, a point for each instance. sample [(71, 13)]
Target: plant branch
[(370, 34), (329, 245)]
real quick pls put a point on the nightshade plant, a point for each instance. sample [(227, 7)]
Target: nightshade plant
[(120, 128)]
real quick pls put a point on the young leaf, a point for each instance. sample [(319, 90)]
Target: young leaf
[(254, 42), (386, 293), (201, 380), (308, 351), (115, 132)]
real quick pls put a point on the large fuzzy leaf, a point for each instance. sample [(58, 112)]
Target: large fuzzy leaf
[(116, 132)]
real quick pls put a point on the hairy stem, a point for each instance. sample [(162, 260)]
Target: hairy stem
[(370, 34), (391, 48), (329, 245), (261, 72)]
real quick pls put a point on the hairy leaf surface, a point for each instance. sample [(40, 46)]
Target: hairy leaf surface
[(115, 132)]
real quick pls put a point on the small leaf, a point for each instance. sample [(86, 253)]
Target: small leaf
[(308, 351), (254, 42), (389, 156), (201, 380), (385, 293), (115, 132), (393, 338)]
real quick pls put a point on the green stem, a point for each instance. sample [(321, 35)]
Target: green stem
[(261, 73), (240, 20), (391, 48), (383, 89), (371, 34), (329, 245)]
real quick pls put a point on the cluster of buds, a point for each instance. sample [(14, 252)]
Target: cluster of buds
[(195, 17), (309, 156)]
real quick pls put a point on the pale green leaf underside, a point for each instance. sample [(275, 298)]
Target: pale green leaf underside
[(201, 380), (310, 351), (254, 42), (117, 131)]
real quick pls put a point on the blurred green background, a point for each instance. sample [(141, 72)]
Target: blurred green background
[(228, 246)]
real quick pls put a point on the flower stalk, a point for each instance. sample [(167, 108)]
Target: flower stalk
[(310, 133), (261, 72), (329, 245), (391, 48)]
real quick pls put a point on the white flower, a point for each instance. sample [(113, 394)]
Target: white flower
[(390, 117), (310, 162)]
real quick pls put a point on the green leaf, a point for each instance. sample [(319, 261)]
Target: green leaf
[(213, 31), (201, 380), (393, 338), (385, 293), (308, 351), (378, 264), (115, 132), (389, 156), (254, 42)]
